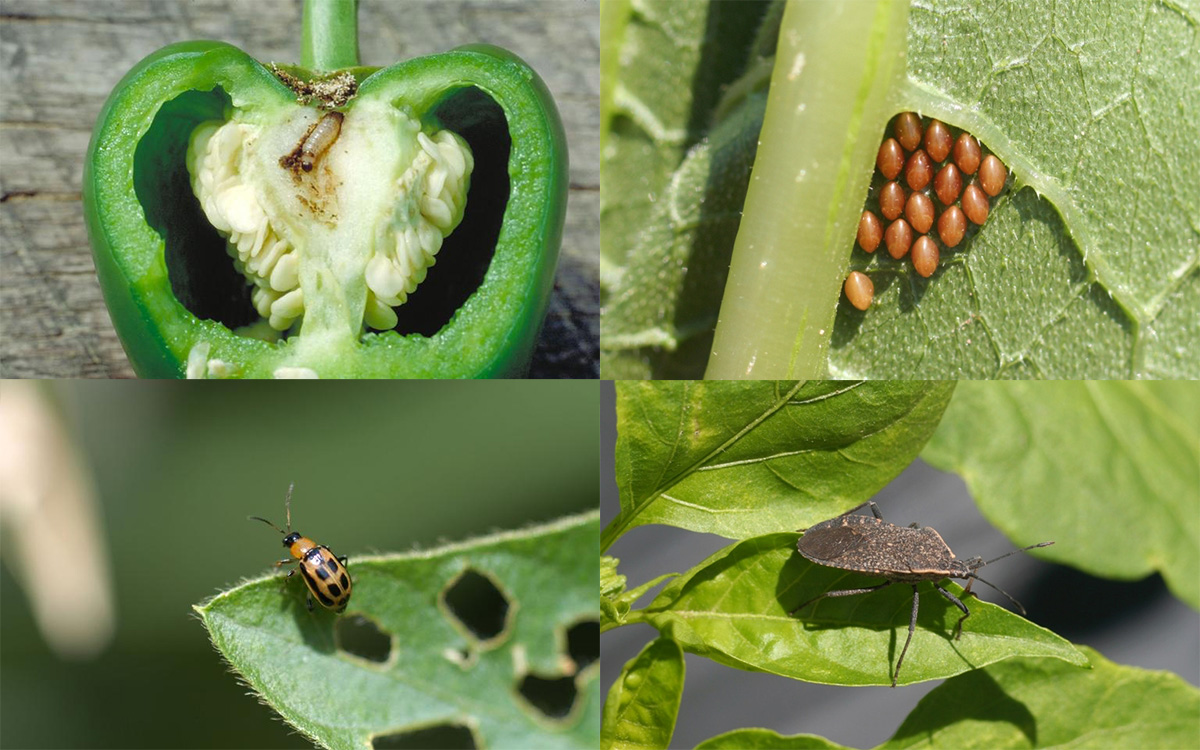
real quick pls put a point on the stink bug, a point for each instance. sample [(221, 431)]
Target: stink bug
[(324, 573), (897, 554)]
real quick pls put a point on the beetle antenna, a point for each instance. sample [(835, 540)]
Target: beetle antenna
[(1002, 591), (273, 526), (1023, 549), (287, 502)]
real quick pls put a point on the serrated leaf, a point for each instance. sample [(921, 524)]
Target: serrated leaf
[(733, 608), (745, 458), (1033, 703), (1110, 471), (643, 703), (438, 670)]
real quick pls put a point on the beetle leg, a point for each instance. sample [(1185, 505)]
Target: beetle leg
[(958, 603), (875, 510), (342, 560), (912, 626), (285, 562), (309, 603), (845, 592)]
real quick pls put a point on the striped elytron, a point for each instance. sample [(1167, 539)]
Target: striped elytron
[(323, 572)]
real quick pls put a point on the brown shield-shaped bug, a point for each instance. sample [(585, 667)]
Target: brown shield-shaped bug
[(897, 554)]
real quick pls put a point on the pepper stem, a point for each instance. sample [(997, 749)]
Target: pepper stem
[(330, 34)]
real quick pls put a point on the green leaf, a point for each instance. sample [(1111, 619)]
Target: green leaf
[(438, 670), (766, 739), (665, 68), (745, 458), (643, 703), (1089, 266), (733, 608), (1044, 703), (1109, 471), (615, 601)]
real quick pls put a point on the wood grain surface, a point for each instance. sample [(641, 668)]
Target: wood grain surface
[(60, 58)]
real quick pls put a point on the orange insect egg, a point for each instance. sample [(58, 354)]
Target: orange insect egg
[(908, 130), (919, 212), (951, 226), (938, 141), (859, 290), (992, 175), (891, 200), (898, 238), (925, 256), (870, 231), (966, 153), (975, 204), (890, 159), (919, 171), (948, 184)]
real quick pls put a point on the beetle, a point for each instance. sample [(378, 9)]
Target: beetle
[(323, 572), (896, 553)]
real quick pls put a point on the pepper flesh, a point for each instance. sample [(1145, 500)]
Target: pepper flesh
[(148, 272)]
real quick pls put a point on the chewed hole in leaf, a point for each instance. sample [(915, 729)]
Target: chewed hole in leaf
[(583, 643), (478, 605), (553, 697), (437, 737), (361, 637)]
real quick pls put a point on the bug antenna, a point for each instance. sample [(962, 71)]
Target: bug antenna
[(273, 526), (1002, 591), (1006, 554), (287, 502)]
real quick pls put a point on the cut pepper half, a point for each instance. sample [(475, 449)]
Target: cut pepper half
[(243, 227)]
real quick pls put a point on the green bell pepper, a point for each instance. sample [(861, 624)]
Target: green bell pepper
[(284, 222)]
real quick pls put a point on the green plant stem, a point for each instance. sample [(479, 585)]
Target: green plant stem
[(330, 33), (832, 93)]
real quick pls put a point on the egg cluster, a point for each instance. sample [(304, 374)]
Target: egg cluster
[(927, 177)]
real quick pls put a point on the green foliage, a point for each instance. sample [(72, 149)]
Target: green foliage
[(733, 608), (1091, 466), (1088, 267), (1030, 703), (438, 670), (644, 700), (740, 459), (1113, 477), (615, 601)]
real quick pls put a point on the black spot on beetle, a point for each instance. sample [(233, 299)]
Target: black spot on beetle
[(344, 581), (334, 590), (322, 574)]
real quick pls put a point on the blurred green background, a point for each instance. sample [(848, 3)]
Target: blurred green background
[(177, 467)]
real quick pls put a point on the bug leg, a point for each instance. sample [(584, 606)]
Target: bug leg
[(281, 563), (309, 603), (846, 592), (342, 560), (875, 510), (958, 603), (912, 626)]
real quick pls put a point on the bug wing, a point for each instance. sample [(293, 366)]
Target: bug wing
[(832, 545)]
